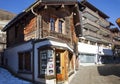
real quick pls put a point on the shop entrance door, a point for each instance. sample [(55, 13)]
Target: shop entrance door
[(61, 66)]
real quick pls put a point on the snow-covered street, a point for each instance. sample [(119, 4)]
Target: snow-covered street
[(7, 78)]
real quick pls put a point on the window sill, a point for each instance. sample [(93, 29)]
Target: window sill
[(55, 32)]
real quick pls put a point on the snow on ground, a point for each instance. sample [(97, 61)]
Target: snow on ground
[(7, 78)]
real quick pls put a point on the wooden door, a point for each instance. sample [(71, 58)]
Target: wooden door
[(62, 66)]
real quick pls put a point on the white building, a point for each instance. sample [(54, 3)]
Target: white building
[(95, 43)]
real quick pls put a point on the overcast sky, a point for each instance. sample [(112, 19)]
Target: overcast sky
[(109, 7)]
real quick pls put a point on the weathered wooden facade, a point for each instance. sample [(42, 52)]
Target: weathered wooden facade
[(43, 40)]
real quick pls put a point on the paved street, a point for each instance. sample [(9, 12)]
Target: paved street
[(105, 74)]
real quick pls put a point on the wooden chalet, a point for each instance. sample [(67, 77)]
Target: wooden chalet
[(42, 41)]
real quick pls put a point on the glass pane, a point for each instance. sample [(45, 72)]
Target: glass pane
[(58, 70), (60, 26), (27, 57), (87, 58), (52, 24), (20, 61), (43, 62)]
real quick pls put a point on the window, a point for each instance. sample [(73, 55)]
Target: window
[(46, 63), (21, 61), (60, 26), (25, 62), (52, 24), (43, 60)]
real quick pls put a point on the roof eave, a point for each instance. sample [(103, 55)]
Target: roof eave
[(23, 13), (20, 15)]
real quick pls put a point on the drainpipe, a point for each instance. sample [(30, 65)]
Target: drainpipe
[(33, 71), (38, 33), (97, 55)]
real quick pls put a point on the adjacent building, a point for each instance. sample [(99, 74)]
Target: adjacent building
[(95, 44), (42, 41), (116, 44), (5, 17)]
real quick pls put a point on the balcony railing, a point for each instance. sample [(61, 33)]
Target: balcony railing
[(90, 25), (116, 42), (91, 34), (116, 36), (106, 39), (98, 36), (103, 22), (104, 31), (94, 16), (92, 13)]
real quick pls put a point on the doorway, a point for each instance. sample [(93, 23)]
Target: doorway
[(61, 66)]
